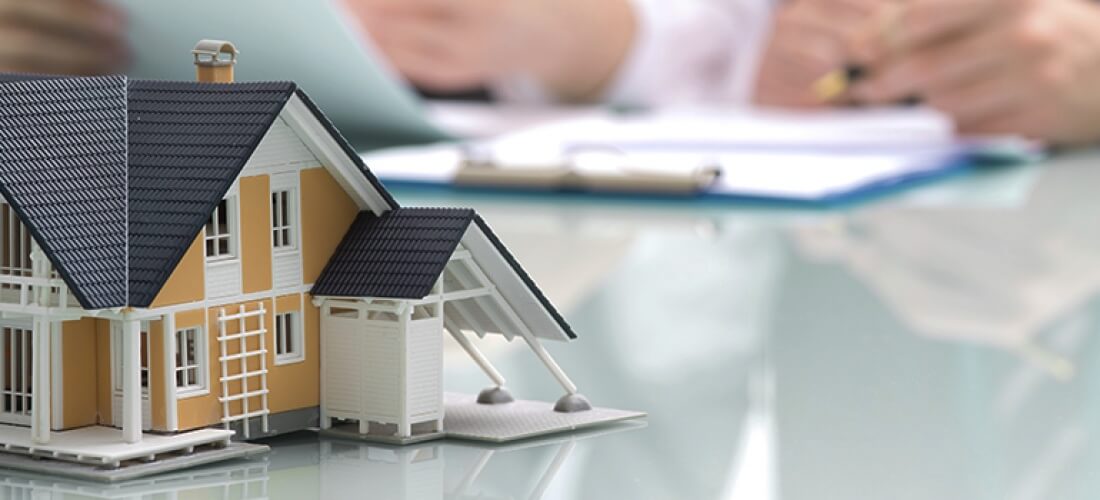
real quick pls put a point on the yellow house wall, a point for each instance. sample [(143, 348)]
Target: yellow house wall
[(88, 387), (186, 284), (327, 213), (200, 411), (79, 355), (157, 395), (291, 386), (296, 385), (255, 196)]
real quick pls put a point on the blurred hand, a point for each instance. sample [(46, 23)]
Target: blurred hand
[(571, 47), (809, 39), (1028, 67), (77, 37)]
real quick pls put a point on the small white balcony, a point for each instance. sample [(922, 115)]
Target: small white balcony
[(24, 291)]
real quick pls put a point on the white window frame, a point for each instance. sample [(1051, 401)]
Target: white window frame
[(297, 337), (232, 234), (116, 362), (201, 385), (280, 226)]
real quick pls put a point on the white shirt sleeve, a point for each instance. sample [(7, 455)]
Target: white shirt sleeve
[(693, 50), (684, 51)]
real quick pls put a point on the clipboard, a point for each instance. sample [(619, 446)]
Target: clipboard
[(616, 176), (800, 158)]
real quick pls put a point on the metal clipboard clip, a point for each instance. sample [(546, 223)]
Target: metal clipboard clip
[(614, 173)]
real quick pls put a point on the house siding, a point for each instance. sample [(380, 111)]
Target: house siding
[(255, 195), (157, 367), (291, 386), (200, 411), (187, 282), (327, 213), (297, 385), (79, 355)]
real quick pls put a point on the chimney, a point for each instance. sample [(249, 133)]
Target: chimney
[(214, 60)]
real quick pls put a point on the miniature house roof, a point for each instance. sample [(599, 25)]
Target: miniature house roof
[(114, 178), (76, 152), (399, 254), (403, 252)]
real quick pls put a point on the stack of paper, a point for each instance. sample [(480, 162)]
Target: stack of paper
[(820, 156)]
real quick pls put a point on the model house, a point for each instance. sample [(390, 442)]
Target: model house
[(182, 260)]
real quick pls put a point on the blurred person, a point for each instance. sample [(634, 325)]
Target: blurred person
[(1024, 67), (1028, 67), (76, 37), (637, 52)]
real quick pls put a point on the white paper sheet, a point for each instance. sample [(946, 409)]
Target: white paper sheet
[(784, 155)]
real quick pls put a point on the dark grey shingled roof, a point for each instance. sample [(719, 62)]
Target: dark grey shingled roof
[(188, 143), (399, 254), (184, 143), (402, 253), (63, 170)]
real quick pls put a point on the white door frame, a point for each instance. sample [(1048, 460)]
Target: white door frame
[(116, 377), (23, 346)]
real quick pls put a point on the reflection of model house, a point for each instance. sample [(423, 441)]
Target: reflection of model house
[(182, 257)]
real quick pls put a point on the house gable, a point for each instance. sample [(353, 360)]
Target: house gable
[(297, 153), (188, 144)]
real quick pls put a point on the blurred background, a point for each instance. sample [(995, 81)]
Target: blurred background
[(834, 248)]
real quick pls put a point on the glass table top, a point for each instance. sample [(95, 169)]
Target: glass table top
[(938, 343)]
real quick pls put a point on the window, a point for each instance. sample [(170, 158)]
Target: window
[(221, 242), (15, 245), (143, 350), (190, 361), (289, 345), (283, 219)]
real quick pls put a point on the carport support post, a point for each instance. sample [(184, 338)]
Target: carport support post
[(550, 364), (475, 354)]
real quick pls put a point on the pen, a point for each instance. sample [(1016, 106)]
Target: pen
[(835, 83)]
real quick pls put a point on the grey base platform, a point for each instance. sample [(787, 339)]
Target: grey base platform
[(130, 470), (464, 418)]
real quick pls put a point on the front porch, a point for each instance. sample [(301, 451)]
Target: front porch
[(103, 447)]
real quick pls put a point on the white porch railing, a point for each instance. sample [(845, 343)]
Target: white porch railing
[(23, 291)]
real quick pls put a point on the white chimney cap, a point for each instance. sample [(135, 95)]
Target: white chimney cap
[(211, 52)]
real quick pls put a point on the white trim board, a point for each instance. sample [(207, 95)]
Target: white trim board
[(513, 289), (333, 157)]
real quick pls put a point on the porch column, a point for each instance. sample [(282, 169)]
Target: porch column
[(131, 381), (40, 381)]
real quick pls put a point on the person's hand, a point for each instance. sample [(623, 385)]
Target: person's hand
[(75, 37), (809, 39), (571, 47), (1029, 67)]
